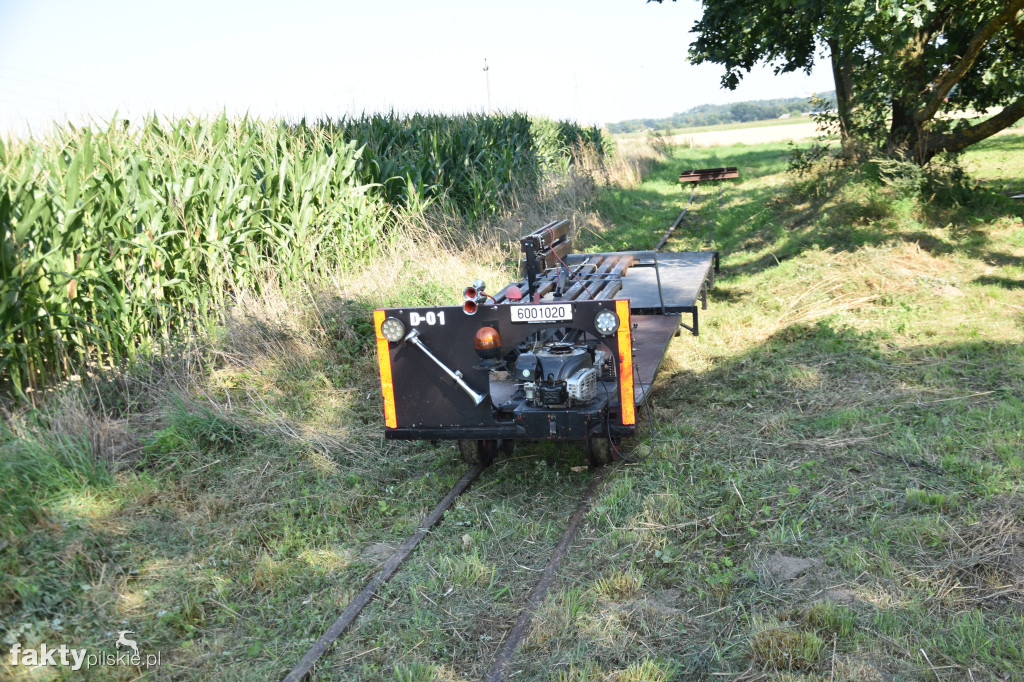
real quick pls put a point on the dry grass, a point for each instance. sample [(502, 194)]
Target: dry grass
[(633, 160), (984, 562), (777, 648)]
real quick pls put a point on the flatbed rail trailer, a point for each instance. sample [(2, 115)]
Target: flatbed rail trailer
[(568, 353)]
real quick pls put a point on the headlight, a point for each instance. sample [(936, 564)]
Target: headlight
[(392, 329), (606, 322)]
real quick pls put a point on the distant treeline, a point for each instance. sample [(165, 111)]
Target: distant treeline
[(713, 114)]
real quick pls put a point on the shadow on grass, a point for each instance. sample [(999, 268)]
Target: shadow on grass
[(889, 466), (1001, 282), (844, 211)]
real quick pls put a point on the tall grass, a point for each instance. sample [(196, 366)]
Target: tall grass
[(46, 455), (113, 239)]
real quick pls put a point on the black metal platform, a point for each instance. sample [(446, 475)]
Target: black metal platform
[(651, 338), (663, 283)]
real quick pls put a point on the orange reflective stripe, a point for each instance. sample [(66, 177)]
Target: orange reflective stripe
[(625, 364), (387, 388)]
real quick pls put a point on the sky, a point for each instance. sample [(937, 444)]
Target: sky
[(595, 61)]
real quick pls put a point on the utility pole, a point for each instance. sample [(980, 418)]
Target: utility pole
[(488, 77)]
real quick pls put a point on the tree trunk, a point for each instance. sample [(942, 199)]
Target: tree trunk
[(904, 132), (911, 135), (842, 74)]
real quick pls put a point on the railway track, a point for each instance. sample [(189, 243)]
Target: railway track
[(304, 669), (351, 612)]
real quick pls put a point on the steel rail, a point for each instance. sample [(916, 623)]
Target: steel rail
[(320, 647), (668, 233), (536, 598)]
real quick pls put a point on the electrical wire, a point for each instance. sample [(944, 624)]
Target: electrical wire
[(643, 403), (650, 417)]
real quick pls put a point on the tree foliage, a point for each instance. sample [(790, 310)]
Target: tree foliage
[(714, 114), (904, 69)]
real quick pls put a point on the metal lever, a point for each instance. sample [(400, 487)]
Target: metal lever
[(413, 338)]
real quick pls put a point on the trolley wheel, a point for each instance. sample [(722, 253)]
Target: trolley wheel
[(479, 451), (599, 450)]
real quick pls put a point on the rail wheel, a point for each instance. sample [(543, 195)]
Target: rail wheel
[(479, 451), (599, 450)]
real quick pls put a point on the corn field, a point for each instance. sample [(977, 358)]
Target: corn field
[(470, 164), (114, 239)]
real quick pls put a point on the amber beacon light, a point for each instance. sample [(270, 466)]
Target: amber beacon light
[(487, 342)]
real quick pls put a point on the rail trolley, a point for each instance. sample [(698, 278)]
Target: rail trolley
[(567, 354)]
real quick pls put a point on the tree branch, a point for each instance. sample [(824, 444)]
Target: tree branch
[(1017, 27), (936, 25), (944, 82), (913, 50), (956, 141)]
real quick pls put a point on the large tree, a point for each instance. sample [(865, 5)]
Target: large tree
[(903, 69)]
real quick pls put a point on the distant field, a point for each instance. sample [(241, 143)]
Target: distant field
[(759, 132), (754, 135), (724, 126), (753, 132)]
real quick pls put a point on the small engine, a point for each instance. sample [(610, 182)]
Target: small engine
[(558, 375)]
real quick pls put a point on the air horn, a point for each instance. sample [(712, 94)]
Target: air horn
[(474, 296)]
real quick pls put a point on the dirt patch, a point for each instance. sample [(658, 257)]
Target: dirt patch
[(377, 553), (839, 595), (662, 603), (785, 567)]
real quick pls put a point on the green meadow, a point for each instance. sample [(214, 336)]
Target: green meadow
[(830, 484)]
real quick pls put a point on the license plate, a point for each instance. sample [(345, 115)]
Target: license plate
[(560, 312)]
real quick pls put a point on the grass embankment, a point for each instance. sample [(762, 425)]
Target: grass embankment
[(833, 492)]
